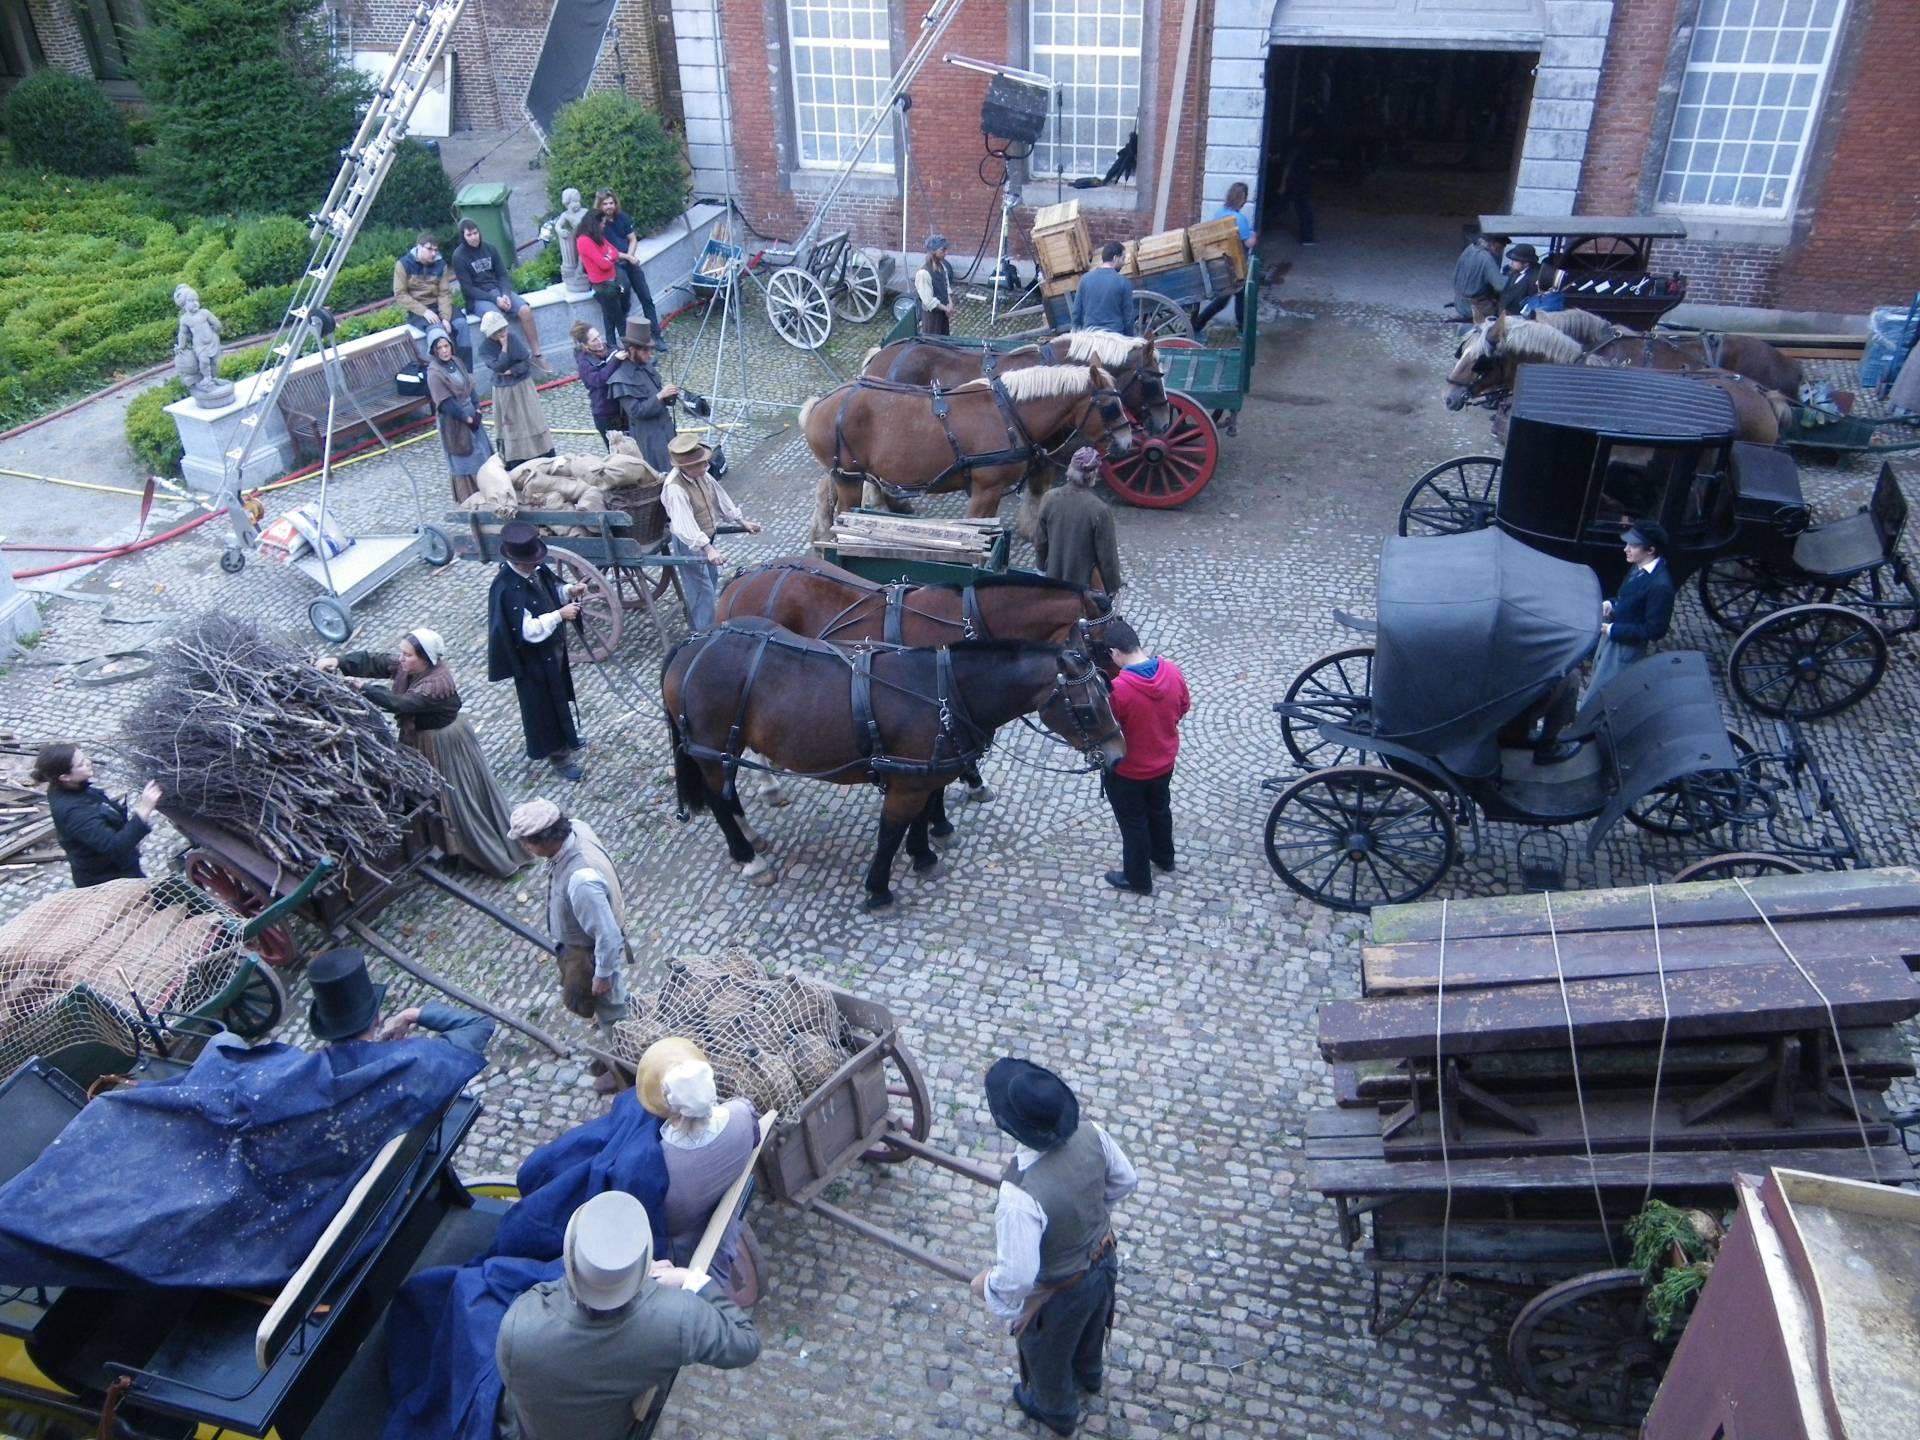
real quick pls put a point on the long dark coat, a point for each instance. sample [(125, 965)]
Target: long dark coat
[(636, 389), (542, 677), (100, 835)]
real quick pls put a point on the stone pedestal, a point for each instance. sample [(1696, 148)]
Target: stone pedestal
[(19, 616)]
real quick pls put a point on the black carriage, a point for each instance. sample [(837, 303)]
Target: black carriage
[(1588, 450), (1606, 262), (1407, 741)]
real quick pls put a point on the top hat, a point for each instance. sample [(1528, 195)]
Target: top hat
[(520, 541), (650, 1078), (687, 448), (608, 1250), (346, 1002), (639, 332), (1031, 1103)]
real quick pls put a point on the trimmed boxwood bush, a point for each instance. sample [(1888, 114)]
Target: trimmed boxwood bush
[(605, 141), (58, 121), (417, 193), (538, 273), (273, 251)]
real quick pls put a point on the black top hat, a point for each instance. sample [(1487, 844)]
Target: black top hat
[(346, 1002), (520, 541), (639, 332), (1031, 1103)]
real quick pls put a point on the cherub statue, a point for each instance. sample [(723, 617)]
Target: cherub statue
[(196, 349), (566, 228)]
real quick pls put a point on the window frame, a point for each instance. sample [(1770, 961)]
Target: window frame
[(1141, 53), (881, 160)]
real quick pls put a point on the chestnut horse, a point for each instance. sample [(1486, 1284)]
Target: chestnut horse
[(1133, 360), (1744, 355), (985, 436), (905, 720)]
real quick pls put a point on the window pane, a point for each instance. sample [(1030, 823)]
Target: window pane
[(842, 58), (1092, 49)]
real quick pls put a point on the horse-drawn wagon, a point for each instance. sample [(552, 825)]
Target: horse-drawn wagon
[(1607, 261)]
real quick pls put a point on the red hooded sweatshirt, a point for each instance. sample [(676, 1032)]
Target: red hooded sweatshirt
[(1149, 701)]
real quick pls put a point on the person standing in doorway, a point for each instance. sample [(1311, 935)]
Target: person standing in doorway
[(933, 287), (1149, 698), (617, 226), (1104, 300), (696, 507), (527, 612)]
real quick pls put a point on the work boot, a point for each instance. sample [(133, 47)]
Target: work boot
[(1035, 1414)]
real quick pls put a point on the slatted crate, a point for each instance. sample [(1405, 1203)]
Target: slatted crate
[(1219, 238), (1168, 250)]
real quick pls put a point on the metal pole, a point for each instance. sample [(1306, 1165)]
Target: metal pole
[(369, 936)]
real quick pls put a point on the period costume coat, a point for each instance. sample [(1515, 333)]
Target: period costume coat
[(100, 835), (462, 437), (636, 388), (542, 677), (521, 431), (1073, 538), (1642, 611)]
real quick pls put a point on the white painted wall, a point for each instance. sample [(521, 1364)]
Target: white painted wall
[(696, 40)]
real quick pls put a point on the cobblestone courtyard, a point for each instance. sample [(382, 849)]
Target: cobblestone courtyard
[(1185, 1021)]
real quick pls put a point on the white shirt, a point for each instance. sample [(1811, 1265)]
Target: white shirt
[(923, 289), (592, 906), (535, 628), (680, 511), (1019, 1222)]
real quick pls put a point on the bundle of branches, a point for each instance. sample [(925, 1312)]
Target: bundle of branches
[(240, 730)]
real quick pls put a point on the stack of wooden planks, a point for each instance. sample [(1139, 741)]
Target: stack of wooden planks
[(906, 537), (26, 825), (1500, 1060)]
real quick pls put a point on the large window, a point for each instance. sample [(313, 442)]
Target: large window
[(842, 61), (1091, 51), (1752, 88)]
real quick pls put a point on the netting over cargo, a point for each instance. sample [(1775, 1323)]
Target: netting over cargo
[(771, 1037), (71, 964)]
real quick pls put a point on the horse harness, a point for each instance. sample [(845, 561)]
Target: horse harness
[(972, 622)]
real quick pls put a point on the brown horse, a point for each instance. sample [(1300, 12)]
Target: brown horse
[(1132, 359), (985, 436), (1679, 350), (905, 720)]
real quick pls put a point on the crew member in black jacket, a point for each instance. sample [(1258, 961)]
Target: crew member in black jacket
[(486, 280), (101, 835)]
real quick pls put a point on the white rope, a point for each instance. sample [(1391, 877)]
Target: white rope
[(1660, 1062), (1833, 1024), (1440, 1094), (1579, 1093)]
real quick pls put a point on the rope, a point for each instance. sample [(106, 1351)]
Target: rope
[(1439, 1088), (1833, 1025), (1660, 1061), (1579, 1091)]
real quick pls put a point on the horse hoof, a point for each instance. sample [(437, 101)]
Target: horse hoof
[(923, 863), (980, 796), (757, 871), (942, 830), (761, 844), (877, 902)]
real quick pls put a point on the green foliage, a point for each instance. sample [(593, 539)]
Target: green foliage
[(1655, 1233), (250, 109), (1670, 1298), (271, 251), (60, 122), (539, 272), (416, 194), (140, 130), (1656, 1230), (605, 141)]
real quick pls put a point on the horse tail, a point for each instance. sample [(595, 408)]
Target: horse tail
[(813, 400), (689, 785)]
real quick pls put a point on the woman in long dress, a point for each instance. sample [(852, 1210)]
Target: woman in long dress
[(462, 435), (472, 820), (706, 1145), (520, 430)]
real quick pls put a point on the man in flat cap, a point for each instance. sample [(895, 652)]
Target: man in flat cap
[(1054, 1266), (933, 287)]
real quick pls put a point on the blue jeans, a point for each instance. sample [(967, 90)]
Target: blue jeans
[(699, 586)]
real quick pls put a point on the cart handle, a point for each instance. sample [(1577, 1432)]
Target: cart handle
[(284, 907)]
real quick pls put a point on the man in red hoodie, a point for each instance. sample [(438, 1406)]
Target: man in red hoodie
[(1149, 700)]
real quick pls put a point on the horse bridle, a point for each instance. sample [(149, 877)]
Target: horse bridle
[(1082, 714)]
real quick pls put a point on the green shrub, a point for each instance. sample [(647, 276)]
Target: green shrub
[(272, 251), (140, 130), (605, 141), (539, 272), (150, 430), (416, 194), (58, 121)]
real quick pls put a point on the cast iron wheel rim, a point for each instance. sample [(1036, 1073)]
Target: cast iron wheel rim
[(208, 873), (331, 620), (1807, 662), (636, 584), (601, 616), (1585, 1348), (1453, 498), (1704, 800), (1744, 863), (1154, 314), (1168, 469), (1735, 592), (1339, 689), (260, 1005), (437, 549), (860, 296), (1355, 836), (797, 306), (907, 1084)]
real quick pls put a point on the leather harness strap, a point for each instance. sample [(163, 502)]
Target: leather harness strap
[(973, 623), (893, 626)]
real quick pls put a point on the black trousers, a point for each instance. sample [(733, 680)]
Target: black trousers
[(612, 296), (1214, 306), (1144, 810), (634, 280), (1063, 1348)]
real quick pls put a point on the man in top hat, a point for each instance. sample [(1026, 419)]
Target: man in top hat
[(933, 287), (696, 508), (1054, 1265), (346, 1006), (643, 397), (1073, 529), (592, 1356), (527, 610)]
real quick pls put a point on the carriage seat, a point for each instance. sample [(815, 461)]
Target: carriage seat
[(1861, 542), (1766, 480)]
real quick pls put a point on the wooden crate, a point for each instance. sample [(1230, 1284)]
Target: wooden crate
[(1059, 285), (1130, 261), (1063, 252), (1219, 238), (1056, 217), (1166, 251)]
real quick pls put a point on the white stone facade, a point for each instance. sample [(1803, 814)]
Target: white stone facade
[(698, 47)]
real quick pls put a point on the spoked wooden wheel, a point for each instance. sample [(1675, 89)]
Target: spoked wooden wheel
[(1704, 800), (1735, 592), (860, 293), (1453, 498), (1355, 836), (797, 306), (1338, 690), (637, 584), (1806, 662), (1168, 469), (259, 1006), (1586, 1348), (601, 618), (206, 871), (1154, 314), (1744, 863), (912, 1110)]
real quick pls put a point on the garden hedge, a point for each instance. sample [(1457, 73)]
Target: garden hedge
[(56, 121), (605, 141)]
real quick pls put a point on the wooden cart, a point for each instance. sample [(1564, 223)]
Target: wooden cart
[(893, 557)]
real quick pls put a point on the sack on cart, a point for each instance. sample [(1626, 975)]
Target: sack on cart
[(320, 530)]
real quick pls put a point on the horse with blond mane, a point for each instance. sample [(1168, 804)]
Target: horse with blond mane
[(931, 360)]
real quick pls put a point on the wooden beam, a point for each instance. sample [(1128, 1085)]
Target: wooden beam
[(1358, 1176)]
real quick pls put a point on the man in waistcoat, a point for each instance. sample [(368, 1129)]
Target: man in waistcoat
[(586, 915), (527, 613), (645, 400), (1054, 1266), (933, 287), (696, 507)]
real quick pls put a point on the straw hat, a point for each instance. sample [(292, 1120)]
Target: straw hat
[(687, 448), (655, 1062)]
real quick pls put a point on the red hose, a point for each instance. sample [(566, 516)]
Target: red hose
[(117, 551)]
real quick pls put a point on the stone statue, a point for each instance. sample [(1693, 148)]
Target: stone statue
[(196, 350), (566, 228)]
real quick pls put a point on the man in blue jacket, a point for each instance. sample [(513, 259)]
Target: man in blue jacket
[(1104, 300)]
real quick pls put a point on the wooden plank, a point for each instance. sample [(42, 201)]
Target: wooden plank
[(901, 552), (1591, 954), (1348, 1176), (1752, 1000)]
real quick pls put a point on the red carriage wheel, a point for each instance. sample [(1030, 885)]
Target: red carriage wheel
[(1166, 470), (244, 896), (1177, 342)]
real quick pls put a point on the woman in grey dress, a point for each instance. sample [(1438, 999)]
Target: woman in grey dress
[(706, 1145), (462, 435), (520, 430)]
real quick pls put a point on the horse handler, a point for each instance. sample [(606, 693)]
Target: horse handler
[(1055, 1265), (696, 506)]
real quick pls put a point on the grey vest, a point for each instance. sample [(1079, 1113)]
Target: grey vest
[(582, 851), (1070, 1185)]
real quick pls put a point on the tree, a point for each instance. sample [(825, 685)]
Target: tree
[(604, 141), (58, 121), (250, 108)]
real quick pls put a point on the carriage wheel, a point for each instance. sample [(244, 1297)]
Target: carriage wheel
[(1744, 863), (258, 1007), (797, 306), (1586, 1348), (1453, 498), (1155, 315), (244, 896), (1168, 469), (600, 610), (860, 293), (637, 584), (1337, 689), (1704, 800), (1735, 592), (910, 1087), (1808, 661), (1354, 837)]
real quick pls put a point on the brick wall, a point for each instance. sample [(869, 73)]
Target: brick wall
[(57, 25)]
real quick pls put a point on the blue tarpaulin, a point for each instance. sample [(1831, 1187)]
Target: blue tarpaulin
[(224, 1176)]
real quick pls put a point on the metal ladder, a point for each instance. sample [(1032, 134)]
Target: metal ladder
[(335, 226)]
